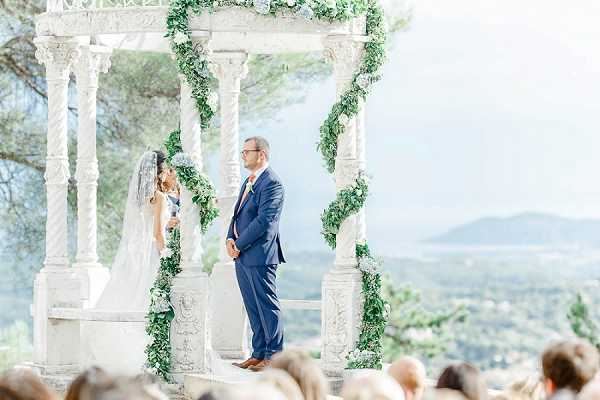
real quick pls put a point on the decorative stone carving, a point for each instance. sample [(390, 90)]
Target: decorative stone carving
[(186, 321), (135, 18), (342, 302), (345, 54)]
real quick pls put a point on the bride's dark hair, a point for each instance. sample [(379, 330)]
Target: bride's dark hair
[(160, 161)]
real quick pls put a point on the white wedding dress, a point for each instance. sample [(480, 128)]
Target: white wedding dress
[(113, 334)]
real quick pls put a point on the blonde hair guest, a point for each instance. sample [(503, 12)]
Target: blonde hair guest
[(305, 371), (372, 385)]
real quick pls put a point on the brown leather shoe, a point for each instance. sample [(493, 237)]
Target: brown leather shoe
[(248, 363), (260, 366)]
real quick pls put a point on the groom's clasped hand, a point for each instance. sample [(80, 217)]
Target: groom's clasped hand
[(231, 249)]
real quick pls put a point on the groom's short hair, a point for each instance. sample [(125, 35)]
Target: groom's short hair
[(261, 144)]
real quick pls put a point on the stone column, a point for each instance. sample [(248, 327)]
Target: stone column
[(56, 343), (229, 325), (341, 289), (190, 330), (93, 276)]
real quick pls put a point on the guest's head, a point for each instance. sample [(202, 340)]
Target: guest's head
[(372, 385), (7, 393), (569, 364), (220, 393), (26, 384), (409, 372), (591, 391), (305, 371), (83, 385), (464, 378), (125, 388), (282, 381)]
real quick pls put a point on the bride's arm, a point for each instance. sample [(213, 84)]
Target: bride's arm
[(159, 235)]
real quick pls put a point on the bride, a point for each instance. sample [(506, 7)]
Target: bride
[(147, 218), (118, 320)]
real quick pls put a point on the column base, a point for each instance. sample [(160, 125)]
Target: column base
[(93, 278), (341, 316), (190, 329), (229, 324), (55, 342)]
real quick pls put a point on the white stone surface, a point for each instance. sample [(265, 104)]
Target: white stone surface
[(229, 322), (232, 29)]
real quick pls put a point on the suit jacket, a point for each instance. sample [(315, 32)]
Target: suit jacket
[(257, 221)]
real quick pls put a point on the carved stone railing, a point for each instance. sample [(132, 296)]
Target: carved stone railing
[(68, 5)]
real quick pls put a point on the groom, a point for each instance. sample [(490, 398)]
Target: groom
[(253, 242)]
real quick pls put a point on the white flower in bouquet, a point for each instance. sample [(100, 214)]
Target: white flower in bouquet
[(180, 38), (306, 11), (213, 100), (262, 6), (291, 3), (182, 160)]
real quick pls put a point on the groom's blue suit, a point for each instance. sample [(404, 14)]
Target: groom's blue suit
[(257, 223)]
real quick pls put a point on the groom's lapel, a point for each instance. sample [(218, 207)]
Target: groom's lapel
[(237, 203), (254, 187)]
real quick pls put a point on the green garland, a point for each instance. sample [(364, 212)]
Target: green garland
[(161, 313), (192, 61)]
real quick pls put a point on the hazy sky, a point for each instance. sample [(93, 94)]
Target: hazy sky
[(486, 107)]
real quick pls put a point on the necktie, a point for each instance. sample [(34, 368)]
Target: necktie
[(249, 184)]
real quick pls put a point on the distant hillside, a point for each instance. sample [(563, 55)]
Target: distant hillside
[(526, 229)]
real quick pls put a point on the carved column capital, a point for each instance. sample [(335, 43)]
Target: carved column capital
[(229, 68), (345, 53), (92, 61), (57, 54)]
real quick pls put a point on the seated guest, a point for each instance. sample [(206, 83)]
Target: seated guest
[(409, 372), (283, 381), (464, 378), (305, 371), (372, 385), (26, 384), (8, 394), (569, 364), (125, 388), (529, 388)]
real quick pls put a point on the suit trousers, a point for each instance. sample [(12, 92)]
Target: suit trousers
[(257, 285)]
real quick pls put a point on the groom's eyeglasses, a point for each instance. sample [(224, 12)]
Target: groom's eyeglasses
[(245, 152)]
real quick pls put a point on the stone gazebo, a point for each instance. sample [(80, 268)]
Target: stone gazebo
[(79, 36)]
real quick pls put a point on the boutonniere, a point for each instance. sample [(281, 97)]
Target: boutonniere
[(250, 184)]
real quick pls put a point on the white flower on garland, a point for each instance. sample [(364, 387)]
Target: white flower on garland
[(215, 4), (166, 253), (344, 119), (183, 160), (213, 100), (262, 6), (160, 304), (330, 3), (387, 311), (358, 192), (291, 3), (363, 81), (369, 265), (239, 2), (306, 11), (360, 356), (180, 38)]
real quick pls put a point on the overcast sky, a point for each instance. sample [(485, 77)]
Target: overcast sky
[(485, 108)]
